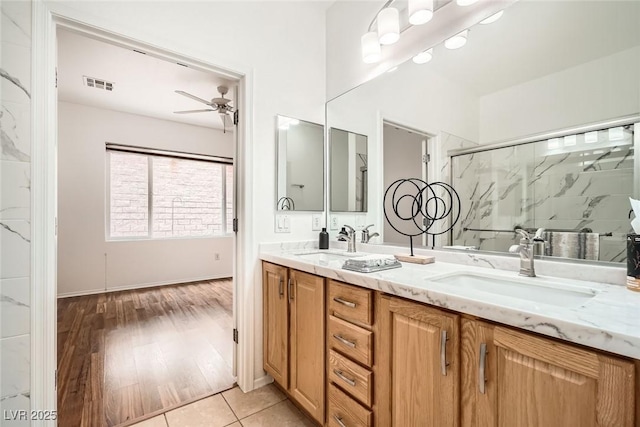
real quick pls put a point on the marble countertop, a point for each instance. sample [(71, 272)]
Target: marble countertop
[(609, 321)]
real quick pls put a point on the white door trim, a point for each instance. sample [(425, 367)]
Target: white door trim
[(45, 19)]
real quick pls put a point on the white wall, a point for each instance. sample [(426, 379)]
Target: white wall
[(564, 99), (283, 46), (87, 262)]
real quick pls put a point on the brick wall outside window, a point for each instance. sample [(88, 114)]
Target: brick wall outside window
[(188, 196)]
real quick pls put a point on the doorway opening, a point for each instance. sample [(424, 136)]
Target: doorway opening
[(146, 244), (405, 155)]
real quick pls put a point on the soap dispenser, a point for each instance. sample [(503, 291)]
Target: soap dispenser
[(324, 239)]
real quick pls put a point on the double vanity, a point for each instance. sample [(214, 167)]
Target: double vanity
[(461, 341)]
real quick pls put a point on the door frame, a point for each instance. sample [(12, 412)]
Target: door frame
[(44, 161)]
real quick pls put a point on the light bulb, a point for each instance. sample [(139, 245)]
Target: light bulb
[(456, 41), (420, 11), (371, 51), (423, 57), (388, 26), (493, 18)]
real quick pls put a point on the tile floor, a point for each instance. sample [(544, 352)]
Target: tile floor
[(264, 407)]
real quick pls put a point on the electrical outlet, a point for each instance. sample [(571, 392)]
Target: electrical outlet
[(334, 222), (217, 257), (316, 222)]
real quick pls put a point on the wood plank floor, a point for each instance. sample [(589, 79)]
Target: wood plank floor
[(125, 355)]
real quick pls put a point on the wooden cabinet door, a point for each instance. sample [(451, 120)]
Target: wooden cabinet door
[(307, 368), (276, 322), (532, 381), (417, 350)]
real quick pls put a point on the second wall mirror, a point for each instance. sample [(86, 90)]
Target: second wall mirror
[(349, 171), (300, 165)]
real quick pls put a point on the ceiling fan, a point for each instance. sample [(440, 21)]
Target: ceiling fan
[(221, 105)]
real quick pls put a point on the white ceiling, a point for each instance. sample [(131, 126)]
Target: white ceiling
[(142, 84), (536, 38)]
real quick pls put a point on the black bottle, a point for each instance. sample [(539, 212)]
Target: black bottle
[(324, 239)]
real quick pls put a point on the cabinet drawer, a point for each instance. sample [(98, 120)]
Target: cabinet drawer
[(351, 302), (351, 340), (346, 412), (353, 378)]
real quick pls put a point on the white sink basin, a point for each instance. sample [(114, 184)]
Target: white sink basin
[(536, 290)]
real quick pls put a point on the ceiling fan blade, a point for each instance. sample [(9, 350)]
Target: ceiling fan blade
[(188, 95), (192, 111)]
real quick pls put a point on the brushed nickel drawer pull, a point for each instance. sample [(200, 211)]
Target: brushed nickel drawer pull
[(281, 287), (340, 375), (345, 302), (481, 368), (443, 353), (345, 341), (290, 291), (339, 421)]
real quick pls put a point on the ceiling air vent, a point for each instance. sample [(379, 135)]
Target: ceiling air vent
[(98, 83)]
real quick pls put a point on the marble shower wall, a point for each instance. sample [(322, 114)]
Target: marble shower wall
[(547, 184), (15, 209)]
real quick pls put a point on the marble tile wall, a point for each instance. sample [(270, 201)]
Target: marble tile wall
[(532, 186), (15, 209)]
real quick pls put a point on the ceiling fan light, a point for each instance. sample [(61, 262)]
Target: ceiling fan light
[(493, 18), (423, 57), (457, 41), (420, 11), (388, 26), (465, 2), (371, 51)]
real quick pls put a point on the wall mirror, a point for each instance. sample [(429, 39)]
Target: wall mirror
[(349, 170), (300, 165), (534, 121)]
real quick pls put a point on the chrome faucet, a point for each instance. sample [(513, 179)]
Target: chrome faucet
[(366, 236), (525, 249), (351, 238)]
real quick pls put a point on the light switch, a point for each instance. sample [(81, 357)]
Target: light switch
[(282, 224)]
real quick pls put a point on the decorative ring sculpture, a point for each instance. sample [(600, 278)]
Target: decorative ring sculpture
[(413, 207)]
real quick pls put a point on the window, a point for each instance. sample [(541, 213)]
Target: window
[(152, 196)]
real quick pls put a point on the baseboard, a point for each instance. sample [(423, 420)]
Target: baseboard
[(262, 381), (140, 286)]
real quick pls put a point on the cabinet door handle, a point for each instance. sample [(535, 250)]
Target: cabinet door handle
[(290, 285), (443, 353), (345, 341), (339, 421), (281, 287), (481, 368), (345, 302), (340, 375)]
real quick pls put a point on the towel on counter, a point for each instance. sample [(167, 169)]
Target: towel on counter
[(572, 244)]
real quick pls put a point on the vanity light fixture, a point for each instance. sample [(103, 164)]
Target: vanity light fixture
[(388, 26), (420, 11), (423, 57), (465, 2), (391, 70), (371, 51), (456, 41), (493, 18)]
